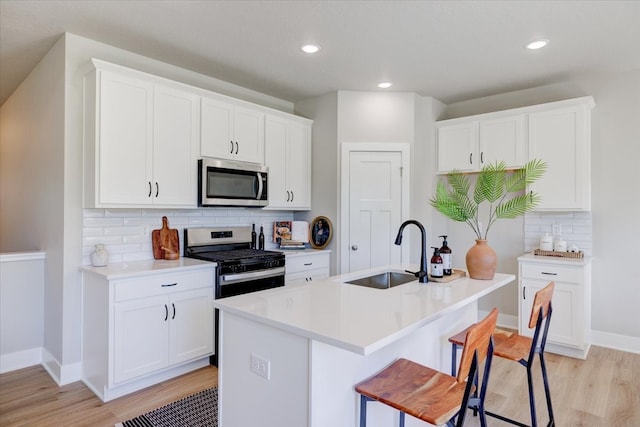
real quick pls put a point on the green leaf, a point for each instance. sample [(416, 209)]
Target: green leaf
[(490, 183), (517, 206), (529, 173)]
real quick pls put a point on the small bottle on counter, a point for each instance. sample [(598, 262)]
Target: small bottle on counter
[(261, 239), (253, 237), (445, 253), (436, 263)]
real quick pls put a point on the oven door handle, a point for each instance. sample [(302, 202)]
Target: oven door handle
[(228, 279)]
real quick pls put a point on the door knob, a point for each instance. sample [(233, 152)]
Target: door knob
[(354, 247)]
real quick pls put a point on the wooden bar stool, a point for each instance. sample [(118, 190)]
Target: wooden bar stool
[(428, 394), (522, 349)]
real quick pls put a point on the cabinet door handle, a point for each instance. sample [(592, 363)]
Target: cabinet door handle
[(524, 292), (236, 147), (231, 150), (169, 285), (166, 312), (157, 189), (470, 158), (549, 274), (288, 195), (149, 188), (174, 311), (308, 263), (482, 157), (292, 196)]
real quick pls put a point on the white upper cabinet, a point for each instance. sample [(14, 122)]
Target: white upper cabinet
[(457, 145), (140, 141), (469, 144), (231, 131), (288, 156), (558, 133), (502, 139), (561, 136)]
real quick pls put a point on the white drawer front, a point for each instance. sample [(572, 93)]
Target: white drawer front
[(159, 284), (309, 262), (552, 272)]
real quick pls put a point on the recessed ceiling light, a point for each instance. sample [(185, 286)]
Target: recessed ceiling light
[(537, 44), (310, 48), (385, 85)]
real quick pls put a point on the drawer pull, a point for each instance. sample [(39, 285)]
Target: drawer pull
[(169, 284), (308, 263), (549, 274), (166, 312), (174, 311)]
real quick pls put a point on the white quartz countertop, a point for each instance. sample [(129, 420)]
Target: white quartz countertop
[(358, 318), (122, 270)]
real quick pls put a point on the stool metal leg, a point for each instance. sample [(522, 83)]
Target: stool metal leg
[(532, 403), (401, 419), (454, 358), (363, 410), (545, 380)]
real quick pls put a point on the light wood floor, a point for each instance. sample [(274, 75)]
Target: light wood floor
[(603, 390)]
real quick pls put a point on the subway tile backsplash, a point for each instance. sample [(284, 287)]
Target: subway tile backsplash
[(575, 229), (126, 233)]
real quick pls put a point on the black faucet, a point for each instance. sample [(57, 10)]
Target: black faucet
[(422, 275)]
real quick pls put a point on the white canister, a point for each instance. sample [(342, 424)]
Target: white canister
[(99, 257), (560, 245), (546, 242)]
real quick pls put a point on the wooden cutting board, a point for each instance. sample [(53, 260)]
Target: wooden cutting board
[(455, 274), (165, 242)]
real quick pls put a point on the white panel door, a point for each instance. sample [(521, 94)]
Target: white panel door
[(458, 147), (502, 139), (375, 191), (216, 124), (299, 165), (191, 326)]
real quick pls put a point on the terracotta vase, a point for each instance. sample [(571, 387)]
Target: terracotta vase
[(481, 261)]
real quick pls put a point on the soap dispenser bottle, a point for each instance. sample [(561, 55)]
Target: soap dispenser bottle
[(261, 239), (436, 263), (445, 253)]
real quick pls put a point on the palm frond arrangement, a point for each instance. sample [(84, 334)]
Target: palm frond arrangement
[(503, 190)]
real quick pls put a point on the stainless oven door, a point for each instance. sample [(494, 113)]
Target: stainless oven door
[(243, 283)]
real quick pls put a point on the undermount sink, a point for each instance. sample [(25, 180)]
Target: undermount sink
[(384, 280)]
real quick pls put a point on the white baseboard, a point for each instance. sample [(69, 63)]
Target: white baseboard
[(615, 341), (61, 374), (504, 320), (20, 359)]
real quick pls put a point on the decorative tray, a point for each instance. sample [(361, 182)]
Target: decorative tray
[(576, 255), (455, 274)]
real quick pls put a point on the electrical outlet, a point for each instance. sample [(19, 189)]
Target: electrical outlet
[(260, 366)]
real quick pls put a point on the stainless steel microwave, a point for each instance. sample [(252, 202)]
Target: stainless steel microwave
[(230, 183)]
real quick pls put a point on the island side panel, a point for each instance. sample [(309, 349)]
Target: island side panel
[(247, 399), (335, 371)]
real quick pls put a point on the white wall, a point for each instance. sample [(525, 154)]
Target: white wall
[(21, 309), (32, 177), (615, 151)]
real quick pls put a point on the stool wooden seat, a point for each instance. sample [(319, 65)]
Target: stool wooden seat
[(522, 349), (428, 394)]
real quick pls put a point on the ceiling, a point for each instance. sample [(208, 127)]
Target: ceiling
[(452, 50)]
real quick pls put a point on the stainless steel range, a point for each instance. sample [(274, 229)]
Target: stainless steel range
[(241, 269)]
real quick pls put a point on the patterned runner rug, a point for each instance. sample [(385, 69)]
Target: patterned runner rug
[(197, 410)]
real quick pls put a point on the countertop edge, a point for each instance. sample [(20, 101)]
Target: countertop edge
[(132, 269)]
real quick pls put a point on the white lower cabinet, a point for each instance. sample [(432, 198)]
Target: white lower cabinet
[(570, 329), (307, 266), (139, 331)]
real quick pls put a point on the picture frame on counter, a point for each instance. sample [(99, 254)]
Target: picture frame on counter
[(320, 232)]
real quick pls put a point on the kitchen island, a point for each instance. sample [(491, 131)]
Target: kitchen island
[(291, 356)]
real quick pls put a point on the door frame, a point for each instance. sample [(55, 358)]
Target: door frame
[(346, 149)]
